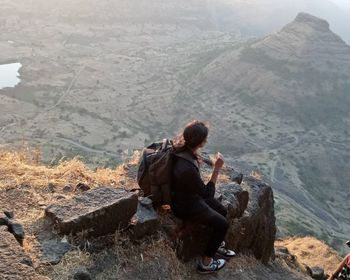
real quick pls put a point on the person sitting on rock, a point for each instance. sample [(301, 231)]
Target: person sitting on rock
[(193, 200), (343, 264)]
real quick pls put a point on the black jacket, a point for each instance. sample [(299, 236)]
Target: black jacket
[(188, 189)]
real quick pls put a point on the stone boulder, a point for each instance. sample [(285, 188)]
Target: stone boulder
[(316, 272), (82, 274), (96, 212), (53, 250), (145, 221), (81, 187)]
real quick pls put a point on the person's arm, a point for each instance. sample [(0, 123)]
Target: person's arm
[(196, 185), (339, 268), (214, 175), (219, 162)]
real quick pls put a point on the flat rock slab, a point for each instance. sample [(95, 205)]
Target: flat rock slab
[(14, 263), (96, 212), (54, 250)]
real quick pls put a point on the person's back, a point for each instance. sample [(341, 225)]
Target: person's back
[(188, 190)]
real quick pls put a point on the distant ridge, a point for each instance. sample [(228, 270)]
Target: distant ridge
[(310, 40)]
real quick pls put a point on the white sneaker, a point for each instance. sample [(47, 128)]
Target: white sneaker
[(222, 251), (213, 266)]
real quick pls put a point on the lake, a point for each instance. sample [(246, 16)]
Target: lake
[(9, 76)]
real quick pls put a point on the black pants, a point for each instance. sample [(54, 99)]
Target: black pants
[(214, 218), (209, 212)]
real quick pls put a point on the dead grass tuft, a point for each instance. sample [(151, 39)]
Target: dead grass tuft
[(256, 175), (153, 256), (312, 252), (23, 168), (69, 264)]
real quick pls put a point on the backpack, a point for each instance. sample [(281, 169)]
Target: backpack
[(344, 273), (154, 172)]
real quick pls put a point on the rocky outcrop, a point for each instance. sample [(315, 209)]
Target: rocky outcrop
[(234, 198), (14, 263), (250, 208), (96, 212), (256, 229)]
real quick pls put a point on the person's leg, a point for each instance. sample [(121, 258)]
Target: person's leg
[(219, 226), (216, 205)]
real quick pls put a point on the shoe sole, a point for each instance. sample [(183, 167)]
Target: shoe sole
[(209, 271), (218, 255)]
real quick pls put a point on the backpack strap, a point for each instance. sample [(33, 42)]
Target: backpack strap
[(185, 155)]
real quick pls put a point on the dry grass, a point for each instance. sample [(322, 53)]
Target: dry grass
[(23, 188), (312, 252), (24, 168), (69, 264), (256, 175), (151, 259)]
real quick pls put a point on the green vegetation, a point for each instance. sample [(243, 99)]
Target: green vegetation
[(298, 228)]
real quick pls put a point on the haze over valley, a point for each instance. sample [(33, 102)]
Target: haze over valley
[(99, 79)]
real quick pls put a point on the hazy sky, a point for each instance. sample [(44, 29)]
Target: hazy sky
[(342, 3)]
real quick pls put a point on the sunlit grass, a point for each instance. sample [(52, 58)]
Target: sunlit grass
[(24, 167)]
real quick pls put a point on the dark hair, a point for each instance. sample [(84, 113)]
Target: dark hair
[(194, 133)]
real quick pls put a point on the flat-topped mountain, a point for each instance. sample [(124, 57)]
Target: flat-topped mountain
[(308, 41), (303, 60), (262, 17)]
